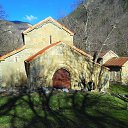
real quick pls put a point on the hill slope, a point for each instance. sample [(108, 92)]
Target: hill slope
[(93, 23), (10, 35)]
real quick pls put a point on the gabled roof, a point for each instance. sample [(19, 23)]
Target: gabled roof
[(12, 53), (80, 51), (41, 52), (116, 61), (49, 19), (102, 54), (52, 45)]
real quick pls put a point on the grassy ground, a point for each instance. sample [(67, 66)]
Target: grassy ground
[(119, 89), (65, 110)]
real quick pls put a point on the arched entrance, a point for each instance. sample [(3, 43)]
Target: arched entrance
[(61, 79)]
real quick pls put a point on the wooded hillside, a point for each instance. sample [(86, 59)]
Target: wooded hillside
[(99, 22), (10, 35)]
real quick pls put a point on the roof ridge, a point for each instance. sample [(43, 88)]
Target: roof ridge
[(41, 51), (120, 57), (12, 52), (123, 57), (52, 45), (79, 50), (45, 20)]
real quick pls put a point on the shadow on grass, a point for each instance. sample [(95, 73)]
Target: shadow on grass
[(62, 110)]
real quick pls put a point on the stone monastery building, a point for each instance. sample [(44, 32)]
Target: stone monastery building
[(49, 58)]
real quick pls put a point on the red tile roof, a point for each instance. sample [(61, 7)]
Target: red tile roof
[(44, 21), (12, 53), (52, 45), (41, 52), (80, 51), (116, 61)]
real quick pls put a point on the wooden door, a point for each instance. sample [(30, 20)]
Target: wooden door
[(61, 79)]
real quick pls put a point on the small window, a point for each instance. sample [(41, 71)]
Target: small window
[(16, 59), (50, 39)]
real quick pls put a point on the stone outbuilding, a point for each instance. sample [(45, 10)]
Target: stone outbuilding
[(118, 66), (118, 69)]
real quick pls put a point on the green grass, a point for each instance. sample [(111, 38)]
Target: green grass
[(65, 110), (119, 89)]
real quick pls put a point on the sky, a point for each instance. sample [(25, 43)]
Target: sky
[(33, 11)]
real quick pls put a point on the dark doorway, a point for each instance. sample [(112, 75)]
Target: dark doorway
[(61, 79)]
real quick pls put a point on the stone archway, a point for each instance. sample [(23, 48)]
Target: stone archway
[(61, 79)]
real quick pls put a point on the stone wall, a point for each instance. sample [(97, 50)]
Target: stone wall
[(47, 34), (13, 70), (125, 73), (109, 55), (42, 68)]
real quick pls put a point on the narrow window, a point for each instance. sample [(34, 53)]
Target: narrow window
[(50, 39)]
